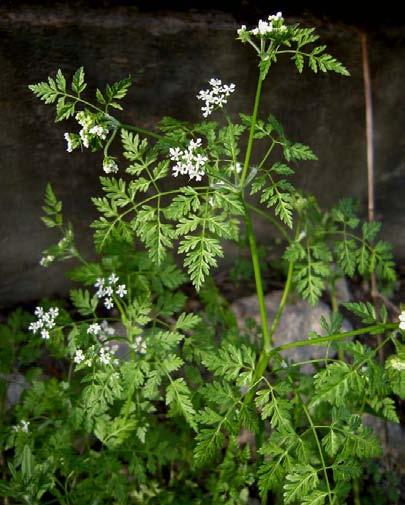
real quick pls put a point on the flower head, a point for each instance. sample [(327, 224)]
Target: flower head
[(216, 97), (110, 165), (402, 320), (79, 356), (45, 321), (22, 427), (189, 162), (94, 329), (46, 260)]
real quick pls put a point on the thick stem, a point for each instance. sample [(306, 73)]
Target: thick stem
[(267, 342)]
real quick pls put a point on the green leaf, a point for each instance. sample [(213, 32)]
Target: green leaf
[(298, 151), (299, 483), (84, 303), (179, 398), (332, 442), (78, 84), (201, 255), (364, 310), (209, 442)]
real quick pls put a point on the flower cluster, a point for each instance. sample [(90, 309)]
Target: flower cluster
[(45, 321), (216, 97), (140, 345), (188, 162), (90, 130), (46, 260), (22, 427), (274, 23), (106, 288), (109, 165), (402, 320)]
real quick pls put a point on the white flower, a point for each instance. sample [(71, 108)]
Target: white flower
[(94, 329), (402, 320), (45, 334), (24, 425), (216, 97), (121, 290), (108, 303), (69, 141), (140, 345), (105, 357), (274, 23), (113, 279), (242, 30), (99, 131), (79, 356), (45, 321), (46, 260), (397, 364), (188, 162), (110, 166)]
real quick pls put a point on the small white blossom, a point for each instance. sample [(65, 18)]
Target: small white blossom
[(110, 166), (216, 97), (402, 320), (140, 345), (45, 334), (99, 131), (274, 23), (113, 279), (23, 426), (397, 364), (94, 329), (242, 30), (105, 357), (188, 162), (46, 260), (45, 321), (69, 141), (121, 290), (108, 303), (79, 356)]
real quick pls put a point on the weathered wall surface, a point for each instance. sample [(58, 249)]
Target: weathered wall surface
[(171, 56)]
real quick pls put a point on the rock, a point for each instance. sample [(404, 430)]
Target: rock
[(16, 384), (391, 435), (297, 321)]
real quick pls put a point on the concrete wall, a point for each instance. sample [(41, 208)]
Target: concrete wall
[(171, 55)]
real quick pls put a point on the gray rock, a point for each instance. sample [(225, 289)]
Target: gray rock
[(391, 435), (297, 321), (16, 384)]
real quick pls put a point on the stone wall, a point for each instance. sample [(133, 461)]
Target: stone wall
[(171, 55)]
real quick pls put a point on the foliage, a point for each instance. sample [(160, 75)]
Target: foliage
[(135, 394)]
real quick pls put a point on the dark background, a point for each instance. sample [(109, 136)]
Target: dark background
[(171, 49)]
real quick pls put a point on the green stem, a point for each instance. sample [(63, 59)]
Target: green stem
[(252, 131), (267, 342), (319, 450), (284, 298), (138, 129), (336, 337), (273, 221)]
